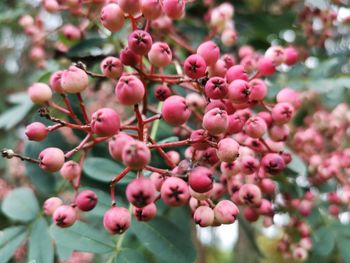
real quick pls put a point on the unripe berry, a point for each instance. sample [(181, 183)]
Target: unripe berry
[(236, 72), (140, 42), (201, 179), (195, 66), (174, 9), (151, 9), (227, 150), (146, 213), (273, 163), (266, 66), (131, 7), (105, 122), (74, 80), (157, 180), (162, 92), (175, 111), (219, 69), (255, 127), (112, 17), (136, 155), (279, 133), (51, 159), (282, 113), (140, 192), (55, 81), (258, 90), (160, 54), (291, 56), (71, 32), (117, 144), (289, 95), (250, 195), (36, 131), (229, 37), (112, 67), (51, 204), (64, 216), (239, 91), (226, 212), (116, 220), (51, 6), (209, 51), (204, 216), (215, 121), (174, 192), (39, 93), (86, 200), (70, 170), (129, 90), (299, 253), (128, 57), (216, 88), (276, 54)]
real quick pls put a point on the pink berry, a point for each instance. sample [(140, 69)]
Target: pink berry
[(266, 116), (282, 113), (195, 66), (215, 104), (219, 69), (131, 7), (209, 51), (174, 192), (198, 137), (51, 159), (162, 92), (51, 6), (129, 90), (160, 54), (70, 170), (201, 179), (258, 90), (226, 212), (112, 17), (128, 57), (229, 37), (140, 192), (215, 121), (112, 67), (265, 208), (255, 127), (86, 200), (146, 213), (279, 133), (36, 131), (267, 186), (291, 56), (64, 216), (299, 254), (229, 60), (273, 163), (55, 81), (250, 195), (136, 155), (266, 66), (39, 93), (117, 144), (117, 220), (245, 51), (249, 164), (229, 169), (71, 32), (236, 72), (151, 9), (140, 42), (175, 111), (276, 54), (74, 80), (174, 9), (228, 150), (204, 216), (105, 122), (250, 214), (239, 91), (216, 88), (51, 204), (157, 180), (289, 95)]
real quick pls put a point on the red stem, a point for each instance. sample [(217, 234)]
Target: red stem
[(82, 108), (79, 147), (115, 180)]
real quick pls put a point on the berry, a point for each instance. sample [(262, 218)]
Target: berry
[(209, 51), (291, 56), (199, 136), (162, 92), (36, 131), (282, 113), (258, 90), (255, 127), (174, 192), (112, 67), (140, 42), (128, 57), (289, 95), (151, 9), (276, 54), (273, 163), (249, 164), (157, 180), (136, 155), (140, 192), (175, 111), (129, 90), (216, 88), (112, 17), (226, 212), (160, 54), (86, 200), (39, 93), (195, 66), (64, 216), (116, 220), (51, 159), (146, 213), (201, 179), (236, 72), (74, 80), (55, 81), (250, 195), (117, 144), (215, 121), (105, 122), (51, 204), (239, 91), (227, 150), (70, 170), (266, 66), (204, 216), (131, 7), (175, 9)]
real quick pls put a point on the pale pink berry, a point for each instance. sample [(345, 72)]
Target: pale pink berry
[(117, 220), (299, 253), (282, 113), (236, 72), (64, 216), (105, 122), (291, 56), (229, 37), (276, 54), (70, 170), (209, 51), (215, 121), (129, 90), (174, 9), (71, 32), (195, 66), (230, 169), (245, 51), (258, 90), (51, 159), (201, 179), (157, 180), (51, 204), (209, 156), (273, 163), (174, 156), (266, 66), (216, 88), (174, 192), (195, 101), (86, 200), (39, 93), (204, 216), (228, 150), (162, 92), (249, 164), (140, 42), (239, 91), (74, 80), (229, 60), (55, 81), (289, 95), (51, 6), (279, 133), (250, 194), (255, 127), (112, 67), (136, 155), (117, 144), (219, 69), (267, 186), (36, 131), (151, 9), (140, 192), (226, 212), (146, 213), (175, 111), (131, 7), (160, 54), (128, 57), (112, 17)]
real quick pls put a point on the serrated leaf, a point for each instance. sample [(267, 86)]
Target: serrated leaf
[(40, 245), (10, 239), (83, 237), (130, 256), (20, 205)]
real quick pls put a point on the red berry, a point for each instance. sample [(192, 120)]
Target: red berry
[(195, 66), (201, 179), (175, 111)]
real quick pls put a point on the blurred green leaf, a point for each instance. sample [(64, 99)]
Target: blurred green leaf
[(343, 247), (130, 256), (85, 47), (10, 239), (324, 240)]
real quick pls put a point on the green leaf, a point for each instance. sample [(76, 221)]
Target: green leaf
[(130, 256), (10, 239), (83, 237), (40, 245), (21, 205), (63, 252), (343, 247), (297, 165), (324, 240), (85, 47), (104, 170), (165, 240)]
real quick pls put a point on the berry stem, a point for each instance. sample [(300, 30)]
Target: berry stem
[(115, 180), (70, 109), (9, 154), (79, 147), (82, 108)]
